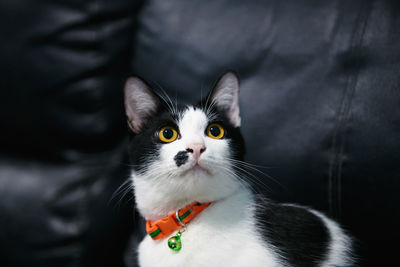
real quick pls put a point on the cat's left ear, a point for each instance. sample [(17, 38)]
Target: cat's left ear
[(141, 103), (225, 96)]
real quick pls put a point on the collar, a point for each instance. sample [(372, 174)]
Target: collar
[(166, 226)]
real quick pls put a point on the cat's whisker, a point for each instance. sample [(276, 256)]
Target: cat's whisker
[(176, 103), (175, 107), (170, 108), (224, 167), (252, 178), (128, 190), (208, 110), (122, 191), (121, 188), (207, 100), (210, 106), (212, 116), (159, 173), (167, 100), (249, 164), (253, 168)]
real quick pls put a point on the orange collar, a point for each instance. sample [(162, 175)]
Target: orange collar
[(169, 224)]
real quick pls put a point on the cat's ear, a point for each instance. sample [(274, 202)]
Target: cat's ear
[(140, 103), (225, 96)]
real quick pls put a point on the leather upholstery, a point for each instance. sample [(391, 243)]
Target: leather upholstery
[(320, 92), (63, 133), (319, 95)]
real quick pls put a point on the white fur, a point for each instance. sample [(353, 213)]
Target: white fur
[(340, 245), (176, 186), (339, 251), (225, 233)]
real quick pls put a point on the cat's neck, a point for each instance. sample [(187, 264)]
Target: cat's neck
[(154, 205)]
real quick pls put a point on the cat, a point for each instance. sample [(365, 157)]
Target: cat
[(185, 161)]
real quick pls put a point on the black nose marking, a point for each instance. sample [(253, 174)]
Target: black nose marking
[(181, 158)]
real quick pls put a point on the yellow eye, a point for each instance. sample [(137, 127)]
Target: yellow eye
[(167, 134), (214, 130)]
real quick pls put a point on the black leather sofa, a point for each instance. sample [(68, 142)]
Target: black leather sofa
[(320, 95)]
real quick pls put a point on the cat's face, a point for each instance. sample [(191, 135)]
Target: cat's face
[(182, 154)]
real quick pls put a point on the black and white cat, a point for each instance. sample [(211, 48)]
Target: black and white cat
[(183, 154)]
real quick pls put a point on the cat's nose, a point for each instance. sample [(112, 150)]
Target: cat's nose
[(196, 149)]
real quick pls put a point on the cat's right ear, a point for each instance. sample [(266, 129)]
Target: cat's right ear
[(141, 103), (225, 96)]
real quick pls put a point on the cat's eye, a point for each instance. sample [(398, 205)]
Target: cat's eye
[(167, 134), (214, 130)]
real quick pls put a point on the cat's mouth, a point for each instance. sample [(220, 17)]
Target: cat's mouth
[(196, 168)]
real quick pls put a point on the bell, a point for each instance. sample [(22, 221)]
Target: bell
[(175, 243)]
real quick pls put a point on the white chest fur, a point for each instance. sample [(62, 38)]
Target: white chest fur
[(170, 173), (224, 234)]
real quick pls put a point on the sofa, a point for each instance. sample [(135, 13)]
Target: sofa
[(320, 99)]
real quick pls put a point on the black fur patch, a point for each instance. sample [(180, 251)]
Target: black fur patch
[(144, 147), (301, 237), (181, 158)]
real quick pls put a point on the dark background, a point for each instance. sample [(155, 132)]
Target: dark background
[(320, 97)]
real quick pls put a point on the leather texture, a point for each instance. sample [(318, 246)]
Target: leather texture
[(320, 109), (320, 92), (63, 134)]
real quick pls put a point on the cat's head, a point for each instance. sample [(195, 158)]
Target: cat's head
[(182, 154)]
